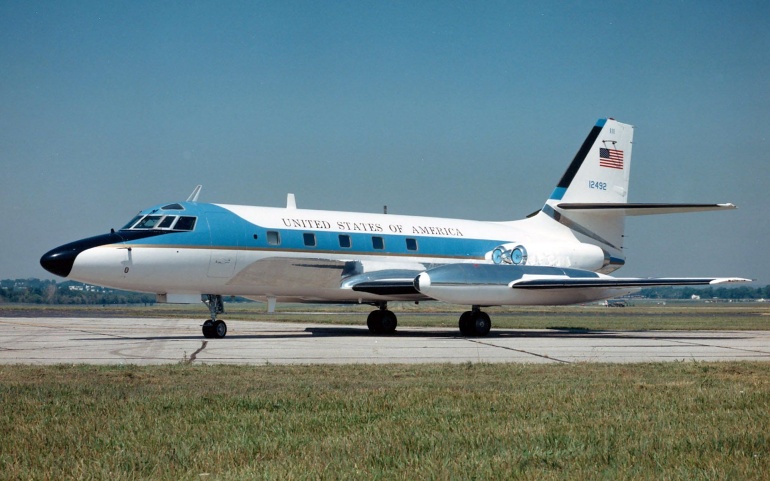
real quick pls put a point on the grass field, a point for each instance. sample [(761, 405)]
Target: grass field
[(643, 316), (472, 421)]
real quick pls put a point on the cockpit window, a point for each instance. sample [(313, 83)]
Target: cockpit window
[(161, 222), (148, 222), (185, 223), (133, 221), (172, 207), (166, 222)]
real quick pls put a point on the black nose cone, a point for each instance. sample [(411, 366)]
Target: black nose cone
[(59, 261)]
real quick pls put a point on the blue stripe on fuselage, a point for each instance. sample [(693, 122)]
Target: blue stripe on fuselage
[(220, 228)]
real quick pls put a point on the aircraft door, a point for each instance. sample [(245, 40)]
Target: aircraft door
[(225, 234)]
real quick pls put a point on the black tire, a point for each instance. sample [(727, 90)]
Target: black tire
[(480, 324), (465, 324), (388, 322), (208, 329), (220, 329), (382, 322), (373, 322)]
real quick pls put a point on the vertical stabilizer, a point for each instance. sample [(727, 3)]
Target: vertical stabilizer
[(600, 170), (598, 174)]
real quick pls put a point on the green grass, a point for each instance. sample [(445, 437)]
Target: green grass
[(643, 316), (472, 421)]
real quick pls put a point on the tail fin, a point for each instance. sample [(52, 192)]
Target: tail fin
[(600, 170), (591, 197), (598, 174)]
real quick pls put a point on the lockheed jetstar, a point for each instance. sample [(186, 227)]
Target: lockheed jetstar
[(563, 254)]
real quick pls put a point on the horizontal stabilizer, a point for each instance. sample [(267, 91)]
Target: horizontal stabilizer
[(642, 209), (612, 282)]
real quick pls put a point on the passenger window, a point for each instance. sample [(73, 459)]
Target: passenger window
[(166, 222), (309, 239), (411, 244), (185, 223), (273, 238), (345, 241), (148, 222), (378, 242)]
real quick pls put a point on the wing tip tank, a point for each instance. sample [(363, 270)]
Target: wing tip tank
[(730, 280)]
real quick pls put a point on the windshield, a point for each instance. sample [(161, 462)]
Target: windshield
[(148, 222), (161, 222), (133, 221)]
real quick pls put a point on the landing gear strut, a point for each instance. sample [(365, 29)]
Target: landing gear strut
[(475, 323), (214, 328), (382, 321)]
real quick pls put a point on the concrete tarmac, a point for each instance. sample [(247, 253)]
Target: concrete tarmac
[(167, 341)]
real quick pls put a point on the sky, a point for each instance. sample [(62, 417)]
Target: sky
[(449, 109)]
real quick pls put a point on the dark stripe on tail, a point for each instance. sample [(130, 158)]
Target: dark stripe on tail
[(574, 166)]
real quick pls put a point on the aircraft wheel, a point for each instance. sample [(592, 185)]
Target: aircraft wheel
[(480, 324), (373, 322), (382, 322), (208, 329), (220, 329), (465, 323), (388, 321)]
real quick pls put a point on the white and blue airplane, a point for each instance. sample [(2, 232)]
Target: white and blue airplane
[(562, 254)]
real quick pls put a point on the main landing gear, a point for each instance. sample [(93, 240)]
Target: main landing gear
[(214, 328), (475, 323), (382, 321)]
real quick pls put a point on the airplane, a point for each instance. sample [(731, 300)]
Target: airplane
[(188, 252)]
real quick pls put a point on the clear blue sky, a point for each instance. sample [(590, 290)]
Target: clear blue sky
[(452, 109)]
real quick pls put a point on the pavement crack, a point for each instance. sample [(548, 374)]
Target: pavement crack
[(701, 344), (195, 354), (544, 356)]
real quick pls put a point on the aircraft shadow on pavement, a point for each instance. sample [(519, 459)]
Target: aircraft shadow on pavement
[(346, 331), (343, 331)]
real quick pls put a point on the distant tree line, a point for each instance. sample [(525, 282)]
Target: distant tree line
[(731, 293), (36, 291)]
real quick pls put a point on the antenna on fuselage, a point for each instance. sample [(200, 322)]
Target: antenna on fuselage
[(195, 193), (291, 202)]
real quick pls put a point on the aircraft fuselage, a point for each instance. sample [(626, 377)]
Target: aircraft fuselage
[(189, 250), (274, 252)]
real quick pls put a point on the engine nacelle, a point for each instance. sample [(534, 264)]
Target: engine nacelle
[(551, 254)]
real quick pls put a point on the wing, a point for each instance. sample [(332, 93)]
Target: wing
[(612, 282), (495, 285)]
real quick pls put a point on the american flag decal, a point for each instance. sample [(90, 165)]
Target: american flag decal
[(611, 158)]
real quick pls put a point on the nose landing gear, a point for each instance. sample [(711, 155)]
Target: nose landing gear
[(214, 328)]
